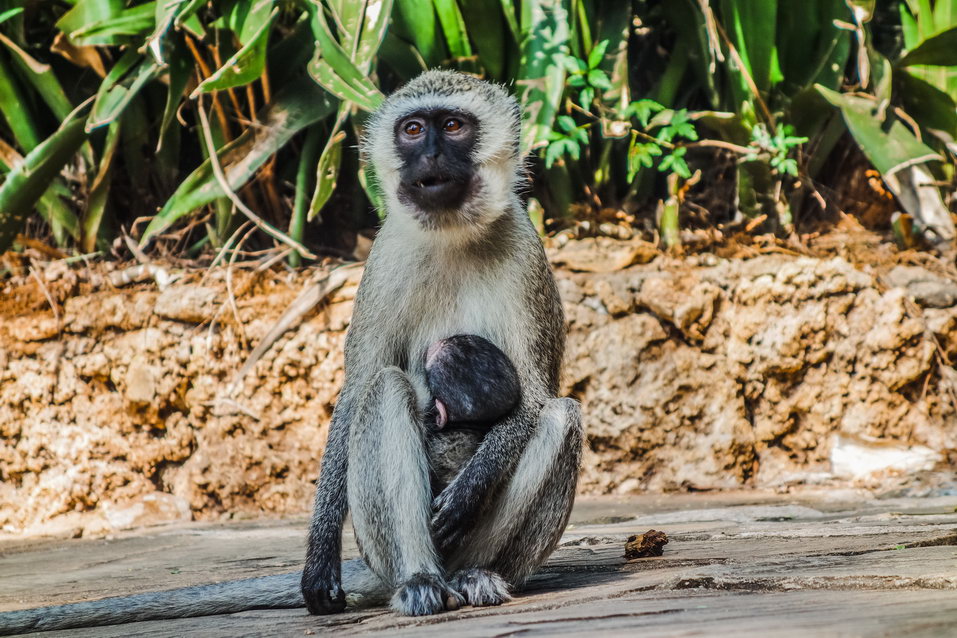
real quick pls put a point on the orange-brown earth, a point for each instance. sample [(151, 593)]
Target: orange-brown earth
[(705, 372)]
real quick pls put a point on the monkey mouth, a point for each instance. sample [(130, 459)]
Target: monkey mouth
[(433, 183), (432, 193)]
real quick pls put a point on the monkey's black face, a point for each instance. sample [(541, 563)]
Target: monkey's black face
[(436, 150)]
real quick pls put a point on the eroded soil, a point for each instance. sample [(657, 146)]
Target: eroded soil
[(120, 403)]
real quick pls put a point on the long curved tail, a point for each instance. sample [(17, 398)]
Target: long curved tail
[(280, 591)]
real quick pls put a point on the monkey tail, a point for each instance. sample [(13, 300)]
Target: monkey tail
[(279, 591)]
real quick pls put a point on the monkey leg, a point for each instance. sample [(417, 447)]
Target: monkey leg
[(390, 496), (523, 525)]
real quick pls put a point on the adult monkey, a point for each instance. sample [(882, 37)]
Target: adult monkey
[(457, 254)]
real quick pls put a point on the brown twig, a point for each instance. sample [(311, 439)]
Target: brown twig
[(231, 296), (728, 146), (733, 52), (230, 91), (311, 295), (224, 184), (46, 293), (205, 72)]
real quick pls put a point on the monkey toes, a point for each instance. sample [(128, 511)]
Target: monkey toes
[(425, 594), (480, 587), (323, 595)]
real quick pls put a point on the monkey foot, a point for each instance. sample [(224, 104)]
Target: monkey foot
[(425, 594), (481, 587)]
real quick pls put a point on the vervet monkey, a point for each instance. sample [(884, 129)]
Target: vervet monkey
[(457, 255)]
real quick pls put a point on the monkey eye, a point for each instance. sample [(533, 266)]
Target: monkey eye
[(452, 124), (413, 128)]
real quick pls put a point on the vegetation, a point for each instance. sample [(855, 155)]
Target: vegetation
[(189, 122)]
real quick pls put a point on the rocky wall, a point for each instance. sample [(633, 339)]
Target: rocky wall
[(116, 410)]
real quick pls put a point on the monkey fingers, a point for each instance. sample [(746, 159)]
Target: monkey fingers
[(322, 590), (454, 512)]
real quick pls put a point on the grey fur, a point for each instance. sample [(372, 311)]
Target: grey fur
[(280, 591), (480, 587), (480, 270)]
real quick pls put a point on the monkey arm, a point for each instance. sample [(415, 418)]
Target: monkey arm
[(456, 508), (322, 575)]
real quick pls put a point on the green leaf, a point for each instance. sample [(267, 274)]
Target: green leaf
[(567, 123), (486, 28), (307, 163), (327, 169), (335, 71), (677, 124), (127, 77), (561, 147), (11, 105), (348, 21), (9, 13), (939, 50), (888, 148), (179, 71), (508, 10), (244, 66), (376, 21), (586, 97), (295, 107), (599, 80), (417, 18), (597, 54), (121, 28), (29, 179), (86, 12), (643, 110), (752, 27), (453, 26), (541, 81), (574, 65), (41, 77), (327, 175), (675, 163), (100, 190), (932, 108), (641, 154)]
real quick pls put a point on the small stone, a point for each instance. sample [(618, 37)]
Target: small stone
[(646, 545), (193, 304)]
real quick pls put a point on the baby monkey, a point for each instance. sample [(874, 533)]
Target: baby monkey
[(472, 382)]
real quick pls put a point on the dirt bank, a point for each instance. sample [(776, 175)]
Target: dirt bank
[(115, 410)]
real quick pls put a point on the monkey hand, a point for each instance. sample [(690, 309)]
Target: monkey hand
[(453, 512), (322, 588)]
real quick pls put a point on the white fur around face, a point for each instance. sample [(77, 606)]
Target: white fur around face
[(496, 154)]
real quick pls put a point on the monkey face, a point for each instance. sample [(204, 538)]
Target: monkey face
[(437, 175)]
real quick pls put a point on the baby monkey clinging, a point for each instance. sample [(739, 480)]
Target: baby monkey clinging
[(472, 382)]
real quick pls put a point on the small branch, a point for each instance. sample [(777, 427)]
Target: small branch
[(205, 72), (46, 293), (231, 296), (306, 301), (224, 184), (728, 146)]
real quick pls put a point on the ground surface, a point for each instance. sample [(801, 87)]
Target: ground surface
[(740, 564)]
